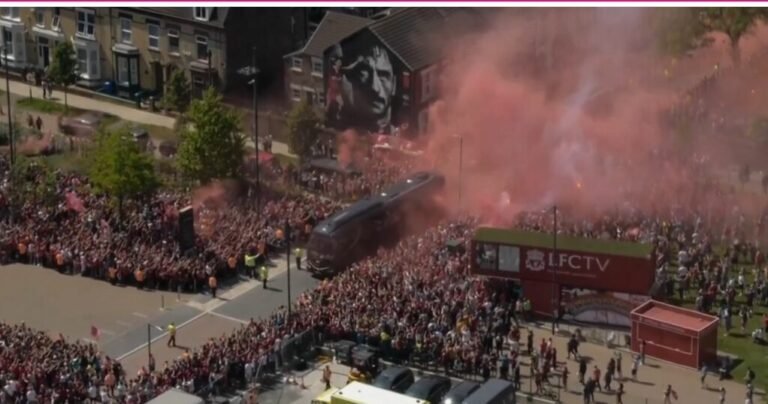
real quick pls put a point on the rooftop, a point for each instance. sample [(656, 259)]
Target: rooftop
[(568, 243), (677, 316), (334, 27)]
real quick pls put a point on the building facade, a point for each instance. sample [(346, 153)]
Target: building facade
[(124, 50), (304, 68)]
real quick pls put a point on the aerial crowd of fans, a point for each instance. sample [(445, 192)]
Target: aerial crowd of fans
[(425, 304)]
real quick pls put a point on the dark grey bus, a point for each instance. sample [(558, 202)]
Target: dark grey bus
[(494, 391)]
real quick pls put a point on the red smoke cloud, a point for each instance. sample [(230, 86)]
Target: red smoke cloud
[(567, 107)]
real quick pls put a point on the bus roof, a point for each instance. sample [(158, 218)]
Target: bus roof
[(360, 393), (569, 243)]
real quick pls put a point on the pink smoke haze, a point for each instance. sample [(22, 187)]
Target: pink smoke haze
[(566, 107)]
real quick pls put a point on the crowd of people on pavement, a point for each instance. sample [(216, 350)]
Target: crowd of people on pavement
[(80, 232), (425, 306)]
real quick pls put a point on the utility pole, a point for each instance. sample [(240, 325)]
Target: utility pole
[(461, 165), (149, 345), (11, 137), (288, 263), (555, 287), (210, 70), (255, 84)]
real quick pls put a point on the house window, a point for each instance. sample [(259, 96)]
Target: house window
[(122, 71), (88, 63), (320, 98), (8, 41), (311, 96), (428, 84), (82, 61), (56, 23), (295, 93), (202, 47), (296, 64), (86, 23), (173, 40), (317, 66), (39, 17), (126, 34), (10, 13), (201, 13), (154, 36)]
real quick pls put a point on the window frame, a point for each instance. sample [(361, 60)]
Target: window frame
[(203, 13), (317, 62), (151, 37), (175, 33), (198, 43), (296, 93), (39, 22), (126, 35), (85, 23), (297, 67)]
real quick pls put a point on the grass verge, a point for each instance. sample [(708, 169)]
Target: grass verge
[(46, 107)]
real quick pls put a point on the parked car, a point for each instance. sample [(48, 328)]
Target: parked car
[(430, 388), (395, 378), (86, 124), (461, 391)]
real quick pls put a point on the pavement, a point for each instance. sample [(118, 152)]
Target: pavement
[(95, 104)]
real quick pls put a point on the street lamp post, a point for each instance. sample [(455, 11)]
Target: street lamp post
[(253, 71), (149, 346), (11, 137), (288, 264), (555, 288), (461, 165)]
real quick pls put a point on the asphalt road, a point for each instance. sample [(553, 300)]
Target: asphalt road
[(259, 303)]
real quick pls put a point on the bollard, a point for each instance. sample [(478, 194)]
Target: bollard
[(162, 302)]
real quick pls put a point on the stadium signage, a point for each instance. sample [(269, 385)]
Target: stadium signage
[(537, 260)]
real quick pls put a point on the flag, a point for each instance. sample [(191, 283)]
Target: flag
[(95, 332)]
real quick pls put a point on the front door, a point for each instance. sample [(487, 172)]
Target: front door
[(43, 52), (159, 83)]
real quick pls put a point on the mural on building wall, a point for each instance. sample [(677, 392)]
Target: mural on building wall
[(362, 89)]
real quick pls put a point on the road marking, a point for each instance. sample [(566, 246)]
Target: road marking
[(226, 317), (161, 336), (137, 314), (123, 323), (108, 332)]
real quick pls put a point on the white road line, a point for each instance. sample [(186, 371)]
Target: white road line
[(108, 332), (226, 317), (161, 336), (123, 323), (141, 315)]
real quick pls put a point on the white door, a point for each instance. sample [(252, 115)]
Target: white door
[(43, 52)]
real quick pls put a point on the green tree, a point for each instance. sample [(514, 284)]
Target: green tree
[(119, 169), (62, 70), (303, 128), (178, 93), (679, 30), (211, 143), (734, 22)]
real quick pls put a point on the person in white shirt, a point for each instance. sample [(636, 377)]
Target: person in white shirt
[(31, 396)]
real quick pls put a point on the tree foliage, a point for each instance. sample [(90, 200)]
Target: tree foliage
[(684, 29), (679, 30), (32, 181), (178, 92), (119, 168), (303, 127), (734, 22), (211, 144), (63, 68)]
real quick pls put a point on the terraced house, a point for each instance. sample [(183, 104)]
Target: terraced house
[(122, 50)]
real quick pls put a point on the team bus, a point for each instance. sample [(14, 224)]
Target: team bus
[(378, 220)]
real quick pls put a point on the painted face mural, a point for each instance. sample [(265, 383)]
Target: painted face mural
[(361, 87)]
